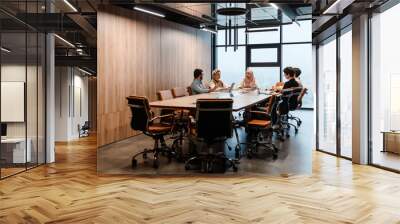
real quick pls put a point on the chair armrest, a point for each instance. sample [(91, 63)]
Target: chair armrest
[(258, 114), (162, 116)]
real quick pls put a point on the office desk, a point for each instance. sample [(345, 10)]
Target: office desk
[(13, 150), (241, 99)]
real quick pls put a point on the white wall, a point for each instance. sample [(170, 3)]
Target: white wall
[(71, 102)]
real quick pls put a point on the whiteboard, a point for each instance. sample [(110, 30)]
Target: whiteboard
[(12, 101)]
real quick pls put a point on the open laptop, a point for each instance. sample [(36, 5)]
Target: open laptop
[(230, 89)]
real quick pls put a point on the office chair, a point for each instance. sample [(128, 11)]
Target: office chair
[(179, 92), (258, 124), (189, 90), (84, 129), (298, 107), (181, 119), (213, 124), (288, 101), (144, 121)]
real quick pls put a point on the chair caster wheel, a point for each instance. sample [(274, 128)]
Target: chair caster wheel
[(235, 169), (275, 156), (287, 136), (296, 130), (156, 164), (134, 163), (276, 150), (249, 156)]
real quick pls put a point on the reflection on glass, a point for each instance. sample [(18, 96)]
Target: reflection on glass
[(385, 86), (345, 94), (290, 57), (327, 97), (232, 64)]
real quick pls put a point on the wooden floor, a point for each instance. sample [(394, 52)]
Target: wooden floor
[(70, 191)]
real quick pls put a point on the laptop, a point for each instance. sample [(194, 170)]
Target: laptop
[(230, 89)]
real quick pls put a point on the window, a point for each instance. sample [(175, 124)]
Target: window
[(271, 36), (290, 57), (346, 91), (297, 32), (327, 97), (385, 88), (221, 37), (232, 64), (263, 55)]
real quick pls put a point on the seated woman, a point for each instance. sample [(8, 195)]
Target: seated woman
[(216, 81), (249, 81)]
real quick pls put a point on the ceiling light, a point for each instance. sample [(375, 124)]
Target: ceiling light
[(5, 50), (274, 5), (148, 11), (70, 5), (331, 7), (208, 30), (65, 41), (260, 29), (84, 71)]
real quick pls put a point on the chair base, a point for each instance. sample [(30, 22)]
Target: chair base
[(163, 150)]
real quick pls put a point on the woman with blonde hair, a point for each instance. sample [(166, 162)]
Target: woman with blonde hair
[(249, 81), (216, 81)]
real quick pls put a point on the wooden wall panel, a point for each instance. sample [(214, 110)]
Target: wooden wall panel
[(140, 55)]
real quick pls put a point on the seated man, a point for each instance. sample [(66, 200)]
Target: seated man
[(290, 83), (197, 84)]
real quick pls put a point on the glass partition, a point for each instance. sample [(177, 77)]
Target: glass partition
[(385, 89), (327, 96), (22, 88)]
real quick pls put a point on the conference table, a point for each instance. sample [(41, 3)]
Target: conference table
[(242, 99)]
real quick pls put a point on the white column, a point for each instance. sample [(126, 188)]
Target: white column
[(360, 90)]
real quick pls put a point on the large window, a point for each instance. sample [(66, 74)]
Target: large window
[(385, 89), (327, 96), (268, 50)]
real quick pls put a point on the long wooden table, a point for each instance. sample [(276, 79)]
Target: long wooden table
[(241, 99)]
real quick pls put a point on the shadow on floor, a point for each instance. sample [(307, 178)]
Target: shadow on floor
[(295, 156)]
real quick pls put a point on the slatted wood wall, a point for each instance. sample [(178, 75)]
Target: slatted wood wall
[(140, 55)]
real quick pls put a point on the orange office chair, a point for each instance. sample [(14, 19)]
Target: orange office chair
[(144, 121)]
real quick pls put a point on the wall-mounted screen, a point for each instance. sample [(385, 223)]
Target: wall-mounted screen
[(12, 101)]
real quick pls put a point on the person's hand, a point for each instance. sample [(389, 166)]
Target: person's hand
[(213, 89)]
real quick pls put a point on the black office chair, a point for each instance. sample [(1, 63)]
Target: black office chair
[(144, 121), (288, 101), (298, 106), (213, 124), (258, 124), (84, 129)]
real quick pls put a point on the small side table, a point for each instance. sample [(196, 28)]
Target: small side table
[(391, 141)]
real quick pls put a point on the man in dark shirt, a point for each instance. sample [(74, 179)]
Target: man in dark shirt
[(291, 83), (290, 76)]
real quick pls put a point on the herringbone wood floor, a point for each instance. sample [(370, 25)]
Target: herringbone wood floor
[(70, 191)]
